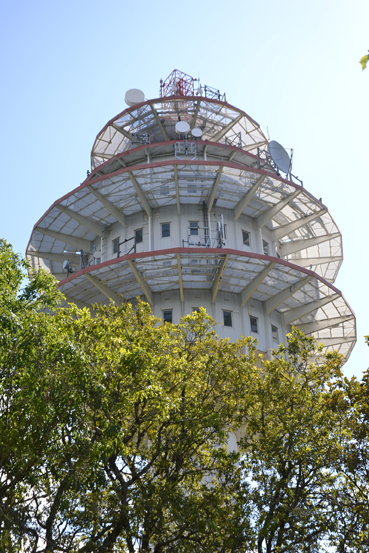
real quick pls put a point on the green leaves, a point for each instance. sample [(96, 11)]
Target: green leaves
[(363, 62), (350, 400), (114, 431), (113, 426), (286, 451)]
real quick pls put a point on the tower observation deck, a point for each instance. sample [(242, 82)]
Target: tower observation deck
[(184, 208)]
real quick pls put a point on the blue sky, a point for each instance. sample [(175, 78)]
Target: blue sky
[(293, 66)]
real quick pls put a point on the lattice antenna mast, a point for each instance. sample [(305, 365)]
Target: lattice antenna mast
[(177, 84)]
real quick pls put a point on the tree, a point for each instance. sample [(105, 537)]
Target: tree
[(25, 424), (290, 436), (350, 399), (114, 426)]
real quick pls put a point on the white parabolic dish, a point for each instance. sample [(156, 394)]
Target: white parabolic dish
[(197, 133), (182, 127), (134, 96), (279, 156)]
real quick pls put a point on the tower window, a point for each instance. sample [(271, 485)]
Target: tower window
[(138, 235), (115, 245), (165, 230), (246, 237), (194, 228), (254, 324), (265, 247), (168, 315), (227, 318), (274, 333)]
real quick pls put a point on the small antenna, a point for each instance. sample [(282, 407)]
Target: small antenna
[(199, 88), (268, 135), (182, 127)]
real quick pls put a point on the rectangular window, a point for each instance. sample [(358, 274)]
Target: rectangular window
[(254, 324), (196, 310), (168, 315), (275, 333), (265, 248), (138, 235), (115, 245), (194, 228), (165, 230), (246, 237), (227, 318)]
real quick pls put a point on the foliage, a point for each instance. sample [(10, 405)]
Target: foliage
[(114, 428), (25, 420), (350, 400), (289, 436), (364, 60)]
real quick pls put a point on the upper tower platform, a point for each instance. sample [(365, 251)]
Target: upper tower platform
[(154, 122)]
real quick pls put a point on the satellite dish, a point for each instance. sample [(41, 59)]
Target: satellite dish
[(279, 156), (196, 133), (182, 127), (134, 96), (66, 265)]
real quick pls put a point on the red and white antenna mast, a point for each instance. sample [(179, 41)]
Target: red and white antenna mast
[(177, 84)]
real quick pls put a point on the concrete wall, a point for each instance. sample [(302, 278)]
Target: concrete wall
[(194, 298), (152, 231)]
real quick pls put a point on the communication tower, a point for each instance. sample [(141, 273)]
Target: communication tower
[(186, 206)]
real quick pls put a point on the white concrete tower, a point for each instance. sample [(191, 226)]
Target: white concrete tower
[(185, 207)]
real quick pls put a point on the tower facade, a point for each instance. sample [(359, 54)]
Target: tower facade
[(185, 207)]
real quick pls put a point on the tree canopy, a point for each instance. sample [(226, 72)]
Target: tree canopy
[(114, 433)]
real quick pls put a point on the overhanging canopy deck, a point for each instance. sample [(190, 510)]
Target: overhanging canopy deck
[(164, 151), (299, 295), (155, 120), (304, 231)]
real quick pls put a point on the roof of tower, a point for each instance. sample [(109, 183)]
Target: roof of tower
[(154, 121)]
